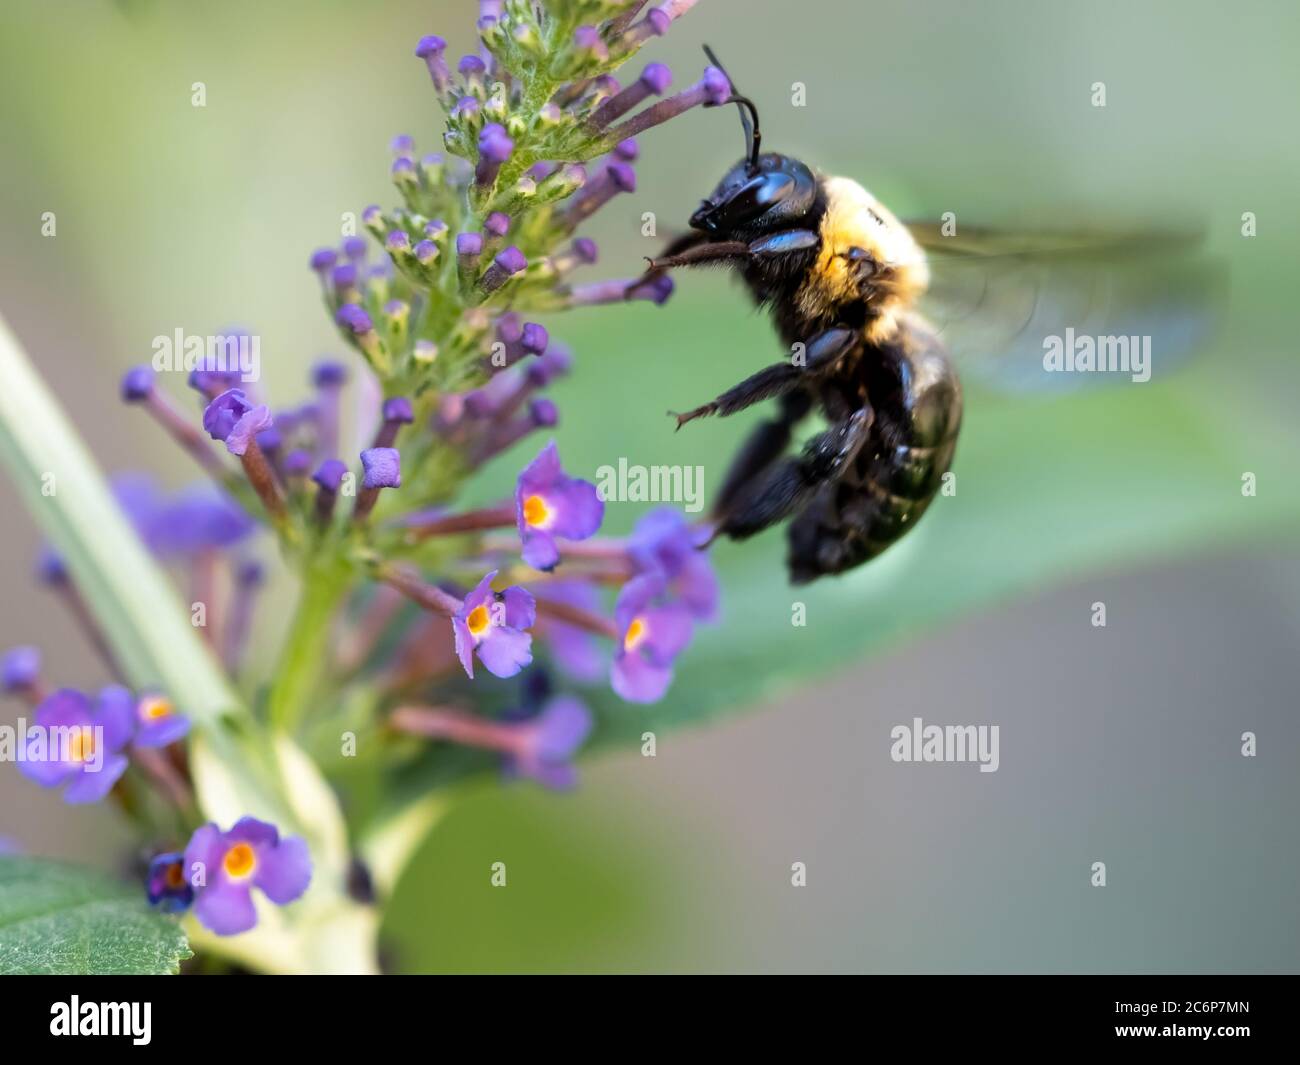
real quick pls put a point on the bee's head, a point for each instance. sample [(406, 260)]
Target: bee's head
[(758, 195), (762, 192)]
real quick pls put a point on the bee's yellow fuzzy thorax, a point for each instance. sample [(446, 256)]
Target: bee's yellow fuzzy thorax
[(855, 219)]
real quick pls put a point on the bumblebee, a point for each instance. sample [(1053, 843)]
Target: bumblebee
[(842, 278)]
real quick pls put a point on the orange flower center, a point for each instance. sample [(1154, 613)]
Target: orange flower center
[(154, 707), (81, 744), (175, 878), (240, 861), (536, 512), (636, 632), (478, 620)]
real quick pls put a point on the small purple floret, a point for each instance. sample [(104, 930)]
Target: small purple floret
[(137, 384), (252, 854), (234, 420), (398, 409), (329, 373), (493, 626), (168, 886), (494, 144), (354, 318), (544, 412), (330, 474), (511, 260), (383, 467), (717, 89), (657, 77), (551, 505), (535, 338), (20, 668), (77, 744), (430, 45)]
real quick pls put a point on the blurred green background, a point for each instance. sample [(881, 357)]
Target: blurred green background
[(1119, 742)]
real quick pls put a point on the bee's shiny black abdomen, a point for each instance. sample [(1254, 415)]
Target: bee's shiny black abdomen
[(915, 398)]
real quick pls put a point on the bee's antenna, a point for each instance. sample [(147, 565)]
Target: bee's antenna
[(753, 135)]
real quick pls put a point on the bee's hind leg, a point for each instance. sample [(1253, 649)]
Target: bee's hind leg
[(788, 485), (761, 448)]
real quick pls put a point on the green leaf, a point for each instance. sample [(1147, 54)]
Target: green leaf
[(58, 919)]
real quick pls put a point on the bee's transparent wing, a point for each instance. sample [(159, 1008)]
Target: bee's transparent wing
[(1001, 300)]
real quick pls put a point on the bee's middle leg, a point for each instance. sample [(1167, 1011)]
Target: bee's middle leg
[(820, 354), (789, 484)]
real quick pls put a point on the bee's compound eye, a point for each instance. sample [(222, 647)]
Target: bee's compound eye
[(703, 216)]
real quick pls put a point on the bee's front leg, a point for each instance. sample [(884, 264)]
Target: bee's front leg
[(694, 249)]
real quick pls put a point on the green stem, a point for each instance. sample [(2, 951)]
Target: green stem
[(324, 585)]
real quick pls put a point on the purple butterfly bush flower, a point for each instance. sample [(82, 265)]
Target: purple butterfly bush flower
[(382, 468), (376, 307), (234, 420), (493, 626), (226, 866), (548, 742), (506, 265), (550, 505), (431, 50), (664, 542), (158, 723), (323, 259), (712, 90), (494, 146), (77, 744), (576, 651), (653, 632), (168, 887), (199, 518), (297, 463), (20, 669), (50, 567), (212, 377), (137, 384)]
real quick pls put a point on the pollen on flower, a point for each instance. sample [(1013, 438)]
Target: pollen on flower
[(636, 632), (154, 707), (81, 745), (478, 620), (536, 512), (174, 875), (240, 861)]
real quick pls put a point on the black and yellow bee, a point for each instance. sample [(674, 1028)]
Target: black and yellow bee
[(842, 278)]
